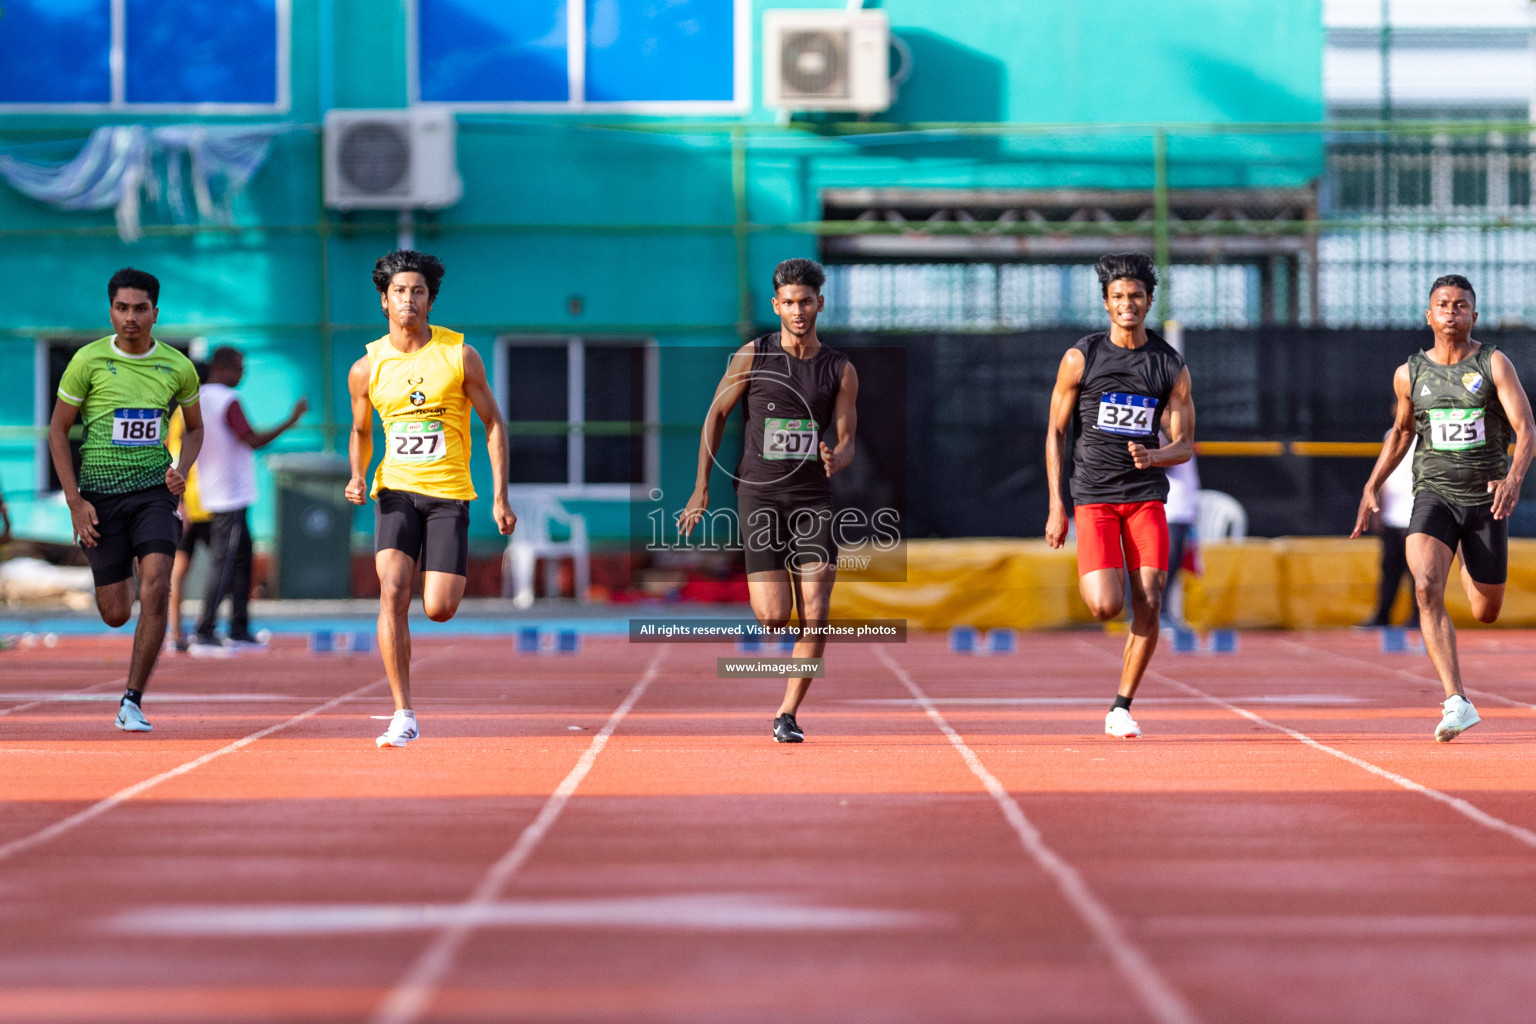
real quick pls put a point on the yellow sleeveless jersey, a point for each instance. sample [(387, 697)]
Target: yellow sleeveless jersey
[(420, 397), (192, 496)]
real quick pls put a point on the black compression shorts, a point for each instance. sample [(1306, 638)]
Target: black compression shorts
[(782, 532), (1482, 539), (433, 531), (193, 534), (130, 526)]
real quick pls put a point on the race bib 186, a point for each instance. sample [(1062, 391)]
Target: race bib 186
[(136, 428), (417, 442), (1130, 415), (789, 440), (1456, 429)]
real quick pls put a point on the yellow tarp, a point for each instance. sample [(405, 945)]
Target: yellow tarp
[(1286, 582)]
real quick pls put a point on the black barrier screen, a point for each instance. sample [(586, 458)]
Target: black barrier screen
[(978, 405)]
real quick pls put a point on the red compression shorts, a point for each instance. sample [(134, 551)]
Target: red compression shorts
[(1141, 526)]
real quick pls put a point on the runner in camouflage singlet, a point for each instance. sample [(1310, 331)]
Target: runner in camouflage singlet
[(1462, 400)]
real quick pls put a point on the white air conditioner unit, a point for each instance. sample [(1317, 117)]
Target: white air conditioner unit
[(391, 159), (827, 60)]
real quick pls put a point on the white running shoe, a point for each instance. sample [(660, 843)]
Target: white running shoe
[(402, 729), (1459, 716), (199, 646), (1119, 723), (130, 717)]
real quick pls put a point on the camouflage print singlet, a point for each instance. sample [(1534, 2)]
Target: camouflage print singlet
[(1464, 434)]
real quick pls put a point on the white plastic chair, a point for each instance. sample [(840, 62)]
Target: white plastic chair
[(1219, 516), (531, 541)]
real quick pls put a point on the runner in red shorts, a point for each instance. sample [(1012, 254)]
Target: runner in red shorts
[(1114, 389)]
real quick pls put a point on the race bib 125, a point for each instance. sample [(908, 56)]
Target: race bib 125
[(1130, 415), (1456, 429)]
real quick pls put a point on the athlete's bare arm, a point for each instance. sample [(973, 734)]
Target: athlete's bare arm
[(234, 417), (846, 415), (360, 440), (478, 390), (1517, 407), (727, 393), (1178, 423), (81, 512), (191, 444), (1398, 441), (1069, 378)]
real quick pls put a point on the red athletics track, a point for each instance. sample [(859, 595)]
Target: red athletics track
[(956, 841)]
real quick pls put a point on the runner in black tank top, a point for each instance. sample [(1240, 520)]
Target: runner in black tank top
[(1117, 388), (800, 424), (1461, 399)]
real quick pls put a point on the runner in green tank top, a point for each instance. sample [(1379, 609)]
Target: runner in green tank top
[(1462, 399)]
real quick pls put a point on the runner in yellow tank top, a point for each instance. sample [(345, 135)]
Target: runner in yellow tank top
[(420, 397), (422, 380)]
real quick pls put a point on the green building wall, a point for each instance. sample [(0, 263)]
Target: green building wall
[(636, 216)]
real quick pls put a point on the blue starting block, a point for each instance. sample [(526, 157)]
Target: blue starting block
[(1217, 641), (749, 645), (532, 640), (969, 640), (1395, 640), (328, 641)]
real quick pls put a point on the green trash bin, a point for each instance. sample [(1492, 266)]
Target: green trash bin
[(314, 525)]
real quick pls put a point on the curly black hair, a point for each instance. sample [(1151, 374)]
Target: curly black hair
[(403, 261)]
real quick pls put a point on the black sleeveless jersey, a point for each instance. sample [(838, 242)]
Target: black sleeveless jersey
[(1464, 433), (789, 404), (1122, 397)]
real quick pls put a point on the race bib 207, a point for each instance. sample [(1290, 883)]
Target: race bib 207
[(789, 440)]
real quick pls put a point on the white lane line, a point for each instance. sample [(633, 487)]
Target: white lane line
[(100, 807), (1417, 677), (1455, 803), (84, 693), (1159, 998), (908, 702), (156, 697), (1405, 926), (411, 997), (723, 912)]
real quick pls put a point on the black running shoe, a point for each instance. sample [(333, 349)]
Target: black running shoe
[(785, 730)]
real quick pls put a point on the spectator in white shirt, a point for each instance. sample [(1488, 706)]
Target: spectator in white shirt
[(227, 474)]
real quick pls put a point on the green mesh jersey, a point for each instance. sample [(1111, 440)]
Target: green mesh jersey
[(1464, 433), (124, 402)]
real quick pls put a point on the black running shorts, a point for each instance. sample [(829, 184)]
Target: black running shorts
[(433, 531), (782, 532), (130, 526), (193, 534), (1482, 539)]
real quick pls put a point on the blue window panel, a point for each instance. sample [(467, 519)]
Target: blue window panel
[(180, 52), (487, 51), (659, 50), (55, 51)]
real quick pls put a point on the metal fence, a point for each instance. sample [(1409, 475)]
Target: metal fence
[(1394, 209)]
